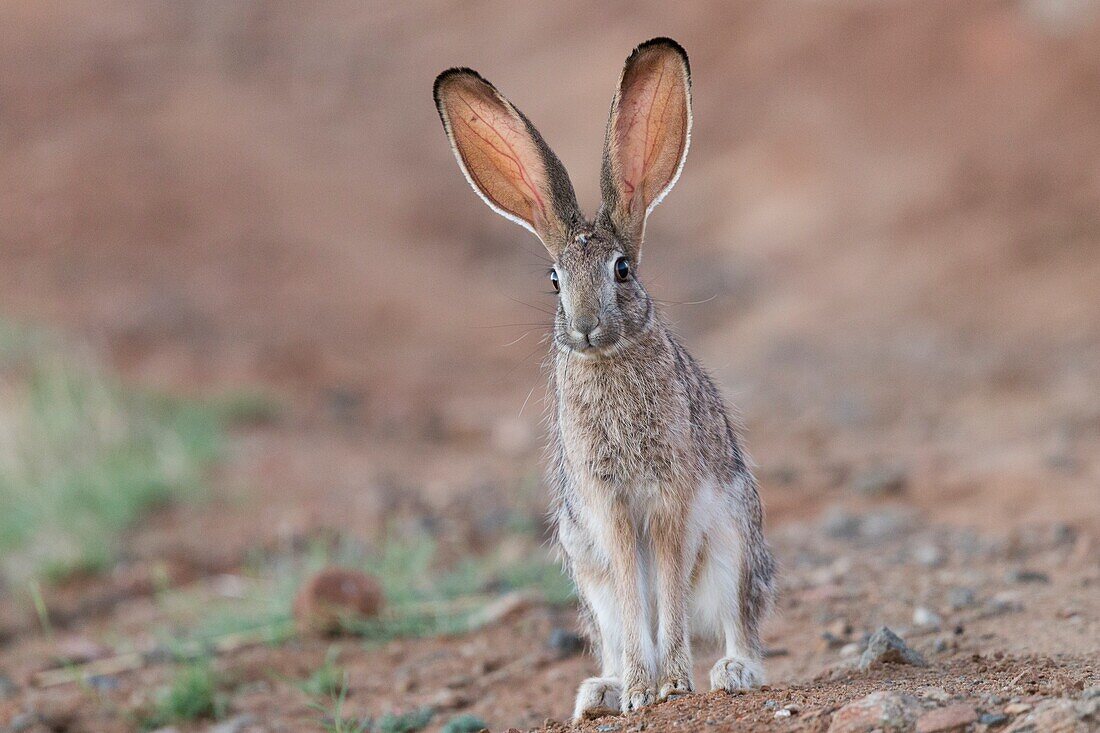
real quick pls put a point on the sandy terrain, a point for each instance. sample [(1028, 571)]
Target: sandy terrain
[(885, 245)]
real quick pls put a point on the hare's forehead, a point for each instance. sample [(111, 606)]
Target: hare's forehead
[(592, 252)]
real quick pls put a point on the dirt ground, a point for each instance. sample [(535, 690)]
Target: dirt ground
[(885, 246)]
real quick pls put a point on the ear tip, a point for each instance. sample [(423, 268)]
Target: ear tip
[(666, 43), (451, 73)]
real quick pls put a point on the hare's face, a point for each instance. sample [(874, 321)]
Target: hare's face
[(602, 307), (601, 304)]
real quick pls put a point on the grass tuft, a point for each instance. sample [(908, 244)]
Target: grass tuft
[(465, 723), (409, 722), (191, 695), (426, 594), (327, 679), (82, 458), (332, 715)]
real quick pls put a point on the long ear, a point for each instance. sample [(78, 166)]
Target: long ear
[(647, 136), (505, 159)]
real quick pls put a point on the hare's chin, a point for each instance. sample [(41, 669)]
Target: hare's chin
[(596, 353)]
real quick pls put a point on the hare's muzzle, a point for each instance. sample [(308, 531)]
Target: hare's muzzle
[(584, 330)]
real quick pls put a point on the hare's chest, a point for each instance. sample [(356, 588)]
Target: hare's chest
[(621, 434)]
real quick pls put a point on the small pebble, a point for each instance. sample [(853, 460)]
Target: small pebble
[(233, 725), (22, 722), (565, 643), (450, 700), (1023, 575), (993, 719), (103, 682), (926, 618), (1004, 602), (840, 524), (851, 650), (959, 598), (928, 555), (7, 688), (937, 694), (784, 713), (881, 482)]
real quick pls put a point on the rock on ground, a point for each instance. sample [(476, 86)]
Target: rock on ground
[(947, 720), (1060, 715), (333, 597), (886, 647), (879, 711)]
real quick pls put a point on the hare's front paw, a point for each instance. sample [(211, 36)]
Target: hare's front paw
[(675, 686), (637, 697), (597, 696), (734, 674)]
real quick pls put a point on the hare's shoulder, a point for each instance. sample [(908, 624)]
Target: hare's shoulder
[(715, 430)]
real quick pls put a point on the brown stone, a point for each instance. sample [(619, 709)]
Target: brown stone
[(333, 598), (1053, 716), (879, 711), (947, 720)]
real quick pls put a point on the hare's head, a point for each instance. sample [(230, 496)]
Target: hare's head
[(601, 303)]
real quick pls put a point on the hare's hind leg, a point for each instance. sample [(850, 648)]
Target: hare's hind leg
[(601, 695), (733, 591)]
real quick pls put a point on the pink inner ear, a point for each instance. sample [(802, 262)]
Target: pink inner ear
[(650, 129), (498, 152)]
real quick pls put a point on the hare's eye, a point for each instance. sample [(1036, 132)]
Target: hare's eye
[(554, 281), (622, 269)]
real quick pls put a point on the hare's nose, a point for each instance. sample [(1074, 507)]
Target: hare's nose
[(585, 327)]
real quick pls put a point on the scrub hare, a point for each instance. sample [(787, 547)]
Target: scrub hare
[(656, 509)]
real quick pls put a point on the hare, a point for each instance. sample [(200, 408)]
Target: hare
[(657, 512)]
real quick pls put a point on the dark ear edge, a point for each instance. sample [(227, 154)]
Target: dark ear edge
[(447, 74), (668, 43), (563, 197)]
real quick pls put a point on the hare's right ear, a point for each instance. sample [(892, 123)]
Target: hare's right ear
[(647, 136), (505, 159)]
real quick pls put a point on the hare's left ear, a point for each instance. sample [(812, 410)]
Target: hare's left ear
[(505, 159), (647, 136)]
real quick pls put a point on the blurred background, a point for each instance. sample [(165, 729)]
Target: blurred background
[(253, 323)]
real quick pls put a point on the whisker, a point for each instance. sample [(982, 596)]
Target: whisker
[(524, 359), (685, 302), (538, 256), (534, 307), (512, 325), (524, 335), (526, 399)]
